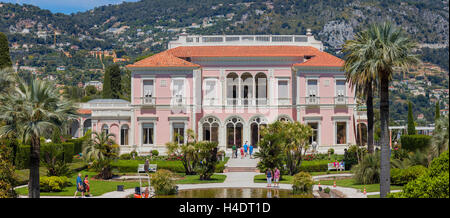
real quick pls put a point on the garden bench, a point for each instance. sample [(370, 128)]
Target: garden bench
[(331, 167), (151, 168)]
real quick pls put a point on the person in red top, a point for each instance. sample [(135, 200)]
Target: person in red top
[(87, 187), (242, 152)]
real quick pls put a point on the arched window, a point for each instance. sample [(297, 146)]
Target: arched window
[(232, 88), (234, 127), (261, 89), (284, 118), (105, 129), (87, 125), (246, 89), (124, 135), (211, 129), (255, 129)]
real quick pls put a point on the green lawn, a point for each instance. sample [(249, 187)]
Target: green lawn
[(99, 187), (329, 172)]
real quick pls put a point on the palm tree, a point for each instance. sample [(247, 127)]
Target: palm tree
[(29, 111), (101, 149), (440, 140), (387, 50), (360, 76)]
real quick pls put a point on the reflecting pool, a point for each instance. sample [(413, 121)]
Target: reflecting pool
[(235, 193)]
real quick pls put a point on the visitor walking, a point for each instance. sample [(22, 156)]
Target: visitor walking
[(79, 184), (269, 177), (86, 186), (234, 155), (250, 151), (276, 177), (242, 152), (146, 165), (245, 148)]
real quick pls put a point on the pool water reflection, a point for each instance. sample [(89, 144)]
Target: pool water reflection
[(235, 193)]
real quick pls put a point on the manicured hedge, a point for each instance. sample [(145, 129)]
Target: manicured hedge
[(314, 166), (78, 145), (414, 142), (23, 153), (130, 166)]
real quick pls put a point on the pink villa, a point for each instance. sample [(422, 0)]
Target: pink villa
[(224, 88)]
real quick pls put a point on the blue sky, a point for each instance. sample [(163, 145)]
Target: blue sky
[(67, 6)]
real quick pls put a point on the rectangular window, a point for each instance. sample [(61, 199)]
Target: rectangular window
[(178, 90), (124, 136), (178, 132), (210, 92), (341, 133), (283, 92), (312, 88), (147, 133), (315, 135), (340, 88), (148, 92)]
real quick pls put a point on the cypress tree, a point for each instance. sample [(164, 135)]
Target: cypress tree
[(5, 59), (107, 92), (116, 86), (411, 125), (111, 84), (437, 113)]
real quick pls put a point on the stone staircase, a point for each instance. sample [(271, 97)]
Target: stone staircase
[(240, 169), (241, 165)]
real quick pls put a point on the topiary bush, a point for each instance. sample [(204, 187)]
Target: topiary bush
[(403, 176), (155, 153), (415, 142), (53, 183), (163, 183), (302, 183), (126, 156)]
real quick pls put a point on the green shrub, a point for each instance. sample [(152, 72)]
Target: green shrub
[(53, 183), (415, 142), (327, 190), (23, 157), (331, 151), (126, 156), (368, 171), (163, 183), (155, 153), (403, 176), (314, 166), (351, 155), (302, 183), (432, 184)]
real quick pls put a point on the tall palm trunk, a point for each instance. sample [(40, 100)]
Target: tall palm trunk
[(369, 104), (33, 185), (384, 139)]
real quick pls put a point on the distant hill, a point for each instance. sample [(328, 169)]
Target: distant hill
[(146, 26)]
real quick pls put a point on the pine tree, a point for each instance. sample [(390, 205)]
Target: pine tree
[(411, 125), (5, 59)]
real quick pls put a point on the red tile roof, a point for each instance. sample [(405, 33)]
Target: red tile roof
[(322, 60), (174, 57), (84, 111), (163, 59), (243, 51)]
